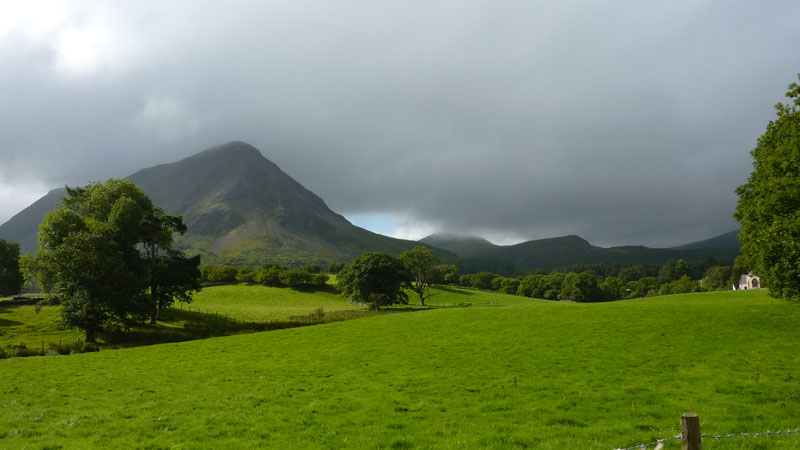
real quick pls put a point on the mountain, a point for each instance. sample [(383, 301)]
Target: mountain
[(240, 208), (726, 240), (547, 254)]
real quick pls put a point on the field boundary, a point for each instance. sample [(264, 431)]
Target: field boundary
[(692, 438)]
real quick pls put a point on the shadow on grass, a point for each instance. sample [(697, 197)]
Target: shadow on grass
[(9, 323), (453, 290), (178, 325)]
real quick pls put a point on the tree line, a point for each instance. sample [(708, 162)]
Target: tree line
[(307, 277)]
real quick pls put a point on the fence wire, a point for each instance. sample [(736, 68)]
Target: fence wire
[(755, 435), (714, 436), (652, 444)]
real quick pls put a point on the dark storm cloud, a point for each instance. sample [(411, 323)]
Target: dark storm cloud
[(623, 122)]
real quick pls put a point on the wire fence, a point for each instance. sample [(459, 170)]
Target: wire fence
[(651, 444), (692, 438)]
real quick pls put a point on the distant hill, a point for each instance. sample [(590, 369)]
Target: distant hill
[(727, 240), (547, 254), (240, 208)]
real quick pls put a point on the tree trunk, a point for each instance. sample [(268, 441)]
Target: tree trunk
[(153, 297), (154, 314), (421, 298), (90, 335)]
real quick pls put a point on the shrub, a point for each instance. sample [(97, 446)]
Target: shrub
[(295, 278), (270, 276), (335, 267), (320, 280), (246, 275)]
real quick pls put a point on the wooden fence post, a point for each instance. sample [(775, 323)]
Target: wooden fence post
[(691, 438)]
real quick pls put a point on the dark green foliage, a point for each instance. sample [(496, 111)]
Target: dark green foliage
[(769, 203), (717, 278), (270, 276), (419, 264), (11, 279), (637, 272), (506, 285), (581, 287), (483, 280), (320, 280), (218, 274), (335, 267), (644, 287), (246, 275), (612, 288), (542, 286), (175, 277), (684, 285), (295, 278), (448, 274), (90, 257), (312, 268), (376, 279), (673, 270)]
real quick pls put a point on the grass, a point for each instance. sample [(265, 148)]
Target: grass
[(517, 374), (215, 311), (262, 303)]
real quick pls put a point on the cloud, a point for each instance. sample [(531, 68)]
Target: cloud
[(626, 122)]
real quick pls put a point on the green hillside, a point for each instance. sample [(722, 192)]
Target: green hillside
[(547, 254), (495, 372)]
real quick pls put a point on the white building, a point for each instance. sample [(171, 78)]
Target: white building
[(749, 281)]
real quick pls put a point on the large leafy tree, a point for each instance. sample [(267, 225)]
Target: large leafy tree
[(419, 264), (769, 203), (376, 279), (96, 257), (10, 275)]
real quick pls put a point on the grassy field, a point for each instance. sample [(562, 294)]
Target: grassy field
[(502, 372), (262, 303), (215, 311)]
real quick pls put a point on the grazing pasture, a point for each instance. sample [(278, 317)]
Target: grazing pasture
[(480, 371)]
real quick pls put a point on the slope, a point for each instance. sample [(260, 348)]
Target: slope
[(546, 254), (533, 374)]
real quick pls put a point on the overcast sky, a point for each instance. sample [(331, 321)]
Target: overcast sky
[(625, 122)]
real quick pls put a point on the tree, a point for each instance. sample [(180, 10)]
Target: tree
[(171, 277), (419, 263), (376, 279), (175, 277), (449, 273), (335, 267), (506, 285), (11, 279), (612, 288), (90, 257), (769, 203), (581, 287), (483, 280), (673, 270), (717, 278)]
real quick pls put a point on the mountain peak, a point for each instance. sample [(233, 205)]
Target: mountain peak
[(232, 148)]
